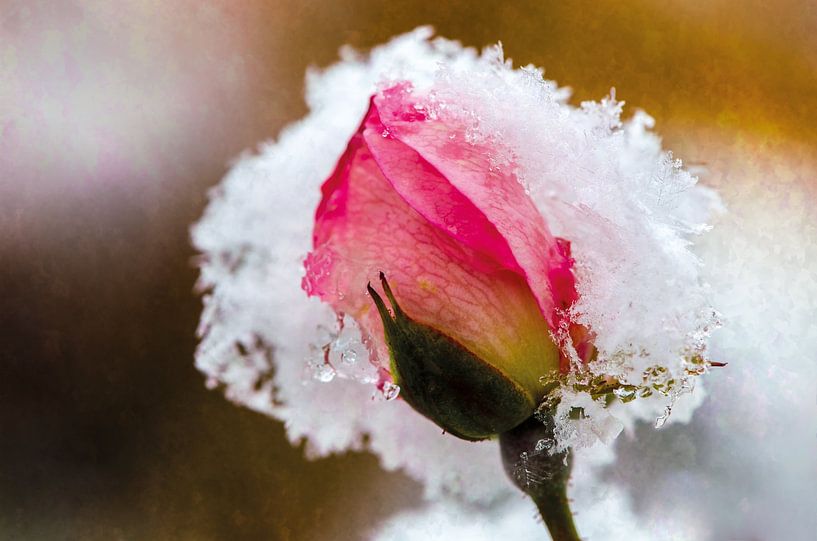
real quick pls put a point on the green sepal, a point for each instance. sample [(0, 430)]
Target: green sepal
[(447, 383)]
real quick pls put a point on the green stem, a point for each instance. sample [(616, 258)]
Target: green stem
[(539, 474), (555, 511)]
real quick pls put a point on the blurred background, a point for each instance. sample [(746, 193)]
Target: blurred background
[(115, 120)]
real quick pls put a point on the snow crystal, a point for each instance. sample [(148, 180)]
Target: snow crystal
[(629, 208), (741, 465)]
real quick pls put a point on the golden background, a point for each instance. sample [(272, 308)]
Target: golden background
[(115, 119)]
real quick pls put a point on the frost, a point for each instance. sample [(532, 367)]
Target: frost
[(737, 462), (265, 342), (629, 208), (335, 352)]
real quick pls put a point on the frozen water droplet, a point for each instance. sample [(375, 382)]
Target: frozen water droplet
[(349, 356), (325, 373), (543, 445), (662, 419), (624, 393), (390, 390)]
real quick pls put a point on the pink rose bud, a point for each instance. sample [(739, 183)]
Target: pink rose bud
[(475, 279)]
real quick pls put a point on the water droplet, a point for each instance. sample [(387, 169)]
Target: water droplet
[(662, 419), (543, 445), (624, 393), (349, 356), (325, 373), (390, 390)]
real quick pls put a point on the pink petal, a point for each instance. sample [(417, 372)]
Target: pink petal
[(432, 195), (462, 284), (540, 258)]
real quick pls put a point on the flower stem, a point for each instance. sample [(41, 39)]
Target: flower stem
[(558, 518), (541, 475)]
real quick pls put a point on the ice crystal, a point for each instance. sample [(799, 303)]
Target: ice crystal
[(629, 208)]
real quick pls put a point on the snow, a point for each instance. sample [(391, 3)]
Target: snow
[(735, 462)]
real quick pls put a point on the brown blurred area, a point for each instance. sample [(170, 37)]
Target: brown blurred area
[(116, 118)]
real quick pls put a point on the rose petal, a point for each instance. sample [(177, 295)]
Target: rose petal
[(363, 226), (494, 191), (432, 195)]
